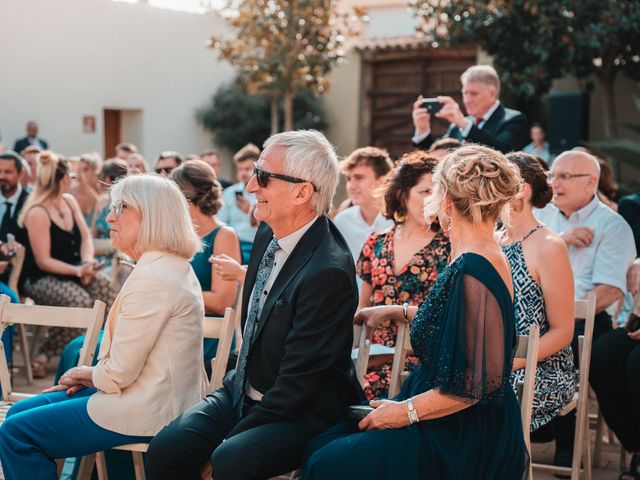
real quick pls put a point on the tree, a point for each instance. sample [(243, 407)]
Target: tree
[(284, 46), (534, 42), (237, 119)]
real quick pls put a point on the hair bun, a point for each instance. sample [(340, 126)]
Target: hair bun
[(46, 158)]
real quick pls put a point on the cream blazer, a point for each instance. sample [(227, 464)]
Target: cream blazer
[(150, 366)]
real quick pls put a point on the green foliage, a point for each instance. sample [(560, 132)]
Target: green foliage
[(236, 118), (534, 42)]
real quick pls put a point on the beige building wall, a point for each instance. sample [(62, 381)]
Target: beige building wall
[(65, 59)]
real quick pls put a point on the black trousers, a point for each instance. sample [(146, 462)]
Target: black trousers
[(615, 378), (184, 446)]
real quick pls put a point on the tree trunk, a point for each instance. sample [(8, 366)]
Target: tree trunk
[(288, 111), (275, 119)]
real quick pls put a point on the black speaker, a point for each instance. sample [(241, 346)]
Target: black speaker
[(568, 121)]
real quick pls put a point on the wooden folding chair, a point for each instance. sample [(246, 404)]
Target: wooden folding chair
[(584, 310), (361, 341), (528, 349), (214, 327), (90, 319), (402, 349)]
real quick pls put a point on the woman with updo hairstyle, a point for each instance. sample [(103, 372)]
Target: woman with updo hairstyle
[(59, 267), (543, 297), (197, 181), (400, 264), (456, 416)]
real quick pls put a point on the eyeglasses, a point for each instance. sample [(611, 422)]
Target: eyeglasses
[(565, 176), (117, 207), (262, 177)]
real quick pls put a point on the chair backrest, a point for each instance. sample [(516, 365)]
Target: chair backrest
[(528, 349), (90, 319), (362, 341), (585, 310), (16, 267), (221, 328), (403, 347)]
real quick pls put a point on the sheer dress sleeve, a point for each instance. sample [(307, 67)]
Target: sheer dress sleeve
[(469, 354)]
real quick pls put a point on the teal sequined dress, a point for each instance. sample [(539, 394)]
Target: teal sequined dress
[(464, 336)]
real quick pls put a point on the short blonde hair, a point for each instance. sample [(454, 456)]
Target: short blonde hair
[(166, 223), (484, 74), (480, 181)]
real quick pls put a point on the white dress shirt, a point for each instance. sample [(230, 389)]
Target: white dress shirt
[(607, 259), (356, 230)]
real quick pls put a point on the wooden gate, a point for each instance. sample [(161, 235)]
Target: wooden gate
[(395, 73)]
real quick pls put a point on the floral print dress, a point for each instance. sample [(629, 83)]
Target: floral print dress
[(412, 284)]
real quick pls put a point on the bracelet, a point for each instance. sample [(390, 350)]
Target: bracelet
[(411, 412), (405, 311), (78, 271)]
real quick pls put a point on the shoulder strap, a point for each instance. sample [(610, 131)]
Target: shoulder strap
[(533, 230)]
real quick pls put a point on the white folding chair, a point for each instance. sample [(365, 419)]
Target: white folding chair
[(528, 349), (402, 349), (214, 327), (584, 310), (361, 341)]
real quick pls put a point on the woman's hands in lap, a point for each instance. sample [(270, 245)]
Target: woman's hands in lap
[(387, 414), (73, 380)]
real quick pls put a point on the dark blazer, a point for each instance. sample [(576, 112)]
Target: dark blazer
[(300, 358), (506, 130), (23, 143), (12, 226), (629, 208)]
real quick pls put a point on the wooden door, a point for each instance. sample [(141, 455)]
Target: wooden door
[(112, 131), (392, 82)]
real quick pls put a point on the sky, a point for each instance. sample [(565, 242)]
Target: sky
[(194, 6)]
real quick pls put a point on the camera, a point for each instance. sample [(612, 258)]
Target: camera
[(432, 105)]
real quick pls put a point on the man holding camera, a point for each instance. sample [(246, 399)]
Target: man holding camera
[(487, 121)]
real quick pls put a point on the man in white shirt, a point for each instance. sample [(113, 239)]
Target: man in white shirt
[(601, 249), (366, 169), (237, 201), (487, 121)]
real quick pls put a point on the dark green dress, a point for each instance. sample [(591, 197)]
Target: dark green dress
[(464, 336)]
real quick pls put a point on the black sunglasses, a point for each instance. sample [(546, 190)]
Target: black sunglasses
[(262, 177), (166, 170)]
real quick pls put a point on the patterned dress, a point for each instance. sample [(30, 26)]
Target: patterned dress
[(555, 382), (412, 285)]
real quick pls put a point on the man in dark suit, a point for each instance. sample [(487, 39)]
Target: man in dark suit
[(13, 195), (487, 121), (294, 377), (31, 139)]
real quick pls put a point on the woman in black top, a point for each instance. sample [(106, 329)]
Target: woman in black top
[(59, 268)]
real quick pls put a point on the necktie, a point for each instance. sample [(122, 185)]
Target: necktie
[(478, 121), (266, 265), (6, 221)]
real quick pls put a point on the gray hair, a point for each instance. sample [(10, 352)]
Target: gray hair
[(166, 223), (310, 156), (484, 74)]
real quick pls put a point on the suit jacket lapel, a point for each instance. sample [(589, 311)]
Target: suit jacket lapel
[(494, 121), (298, 258), (259, 247)]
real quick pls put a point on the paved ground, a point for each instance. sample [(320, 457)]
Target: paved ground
[(542, 452)]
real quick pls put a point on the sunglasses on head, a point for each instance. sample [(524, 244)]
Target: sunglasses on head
[(262, 177)]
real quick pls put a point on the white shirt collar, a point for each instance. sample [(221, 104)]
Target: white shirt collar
[(289, 242), (583, 213), (487, 115), (13, 198)]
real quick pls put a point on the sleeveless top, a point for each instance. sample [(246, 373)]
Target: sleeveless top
[(200, 261), (555, 381), (65, 246)]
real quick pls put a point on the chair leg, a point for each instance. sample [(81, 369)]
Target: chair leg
[(586, 455), (138, 465), (26, 352), (578, 446), (101, 466), (85, 470)]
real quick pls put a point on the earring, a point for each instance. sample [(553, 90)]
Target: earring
[(398, 218), (445, 223)]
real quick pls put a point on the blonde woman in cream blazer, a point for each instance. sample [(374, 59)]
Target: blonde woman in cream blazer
[(149, 366)]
